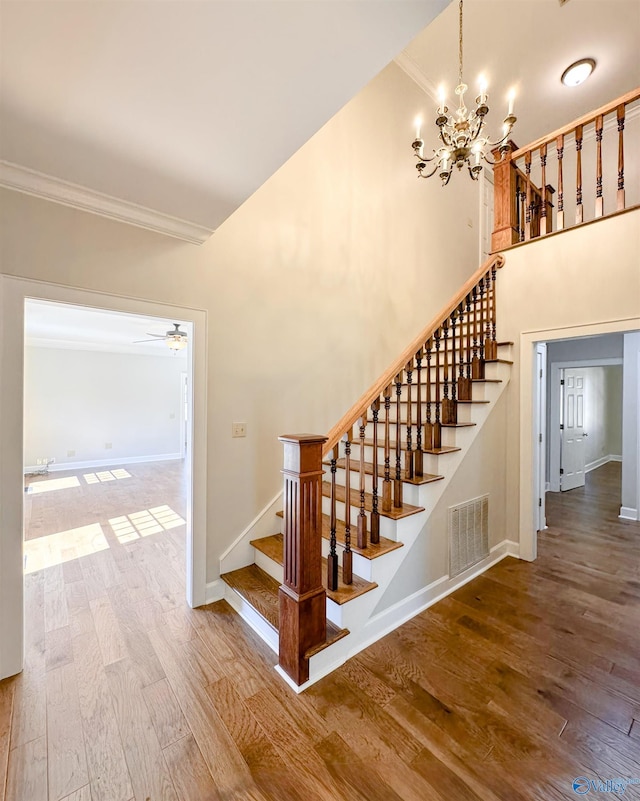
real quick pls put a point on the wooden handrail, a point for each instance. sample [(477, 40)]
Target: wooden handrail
[(591, 116), (348, 420)]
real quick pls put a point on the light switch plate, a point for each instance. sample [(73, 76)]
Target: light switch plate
[(238, 429)]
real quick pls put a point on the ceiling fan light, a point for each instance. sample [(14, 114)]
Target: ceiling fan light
[(578, 72), (177, 343)]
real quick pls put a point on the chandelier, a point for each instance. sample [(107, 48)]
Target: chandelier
[(462, 134)]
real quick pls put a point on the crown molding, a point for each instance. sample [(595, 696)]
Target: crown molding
[(38, 184), (411, 68)]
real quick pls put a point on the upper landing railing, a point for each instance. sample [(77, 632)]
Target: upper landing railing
[(528, 205)]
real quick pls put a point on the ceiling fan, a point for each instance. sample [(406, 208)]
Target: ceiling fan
[(175, 339)]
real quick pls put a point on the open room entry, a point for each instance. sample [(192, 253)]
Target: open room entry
[(102, 419)]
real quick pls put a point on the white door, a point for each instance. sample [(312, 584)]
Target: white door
[(572, 448)]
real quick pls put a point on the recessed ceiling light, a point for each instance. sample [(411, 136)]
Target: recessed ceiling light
[(578, 72)]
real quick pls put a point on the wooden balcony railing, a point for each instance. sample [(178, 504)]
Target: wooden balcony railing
[(392, 426), (523, 197)]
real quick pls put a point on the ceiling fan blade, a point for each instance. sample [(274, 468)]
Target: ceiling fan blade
[(138, 341), (160, 336)]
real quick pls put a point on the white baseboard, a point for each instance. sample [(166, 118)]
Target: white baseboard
[(547, 486), (214, 591), (627, 513), (61, 466), (602, 461)]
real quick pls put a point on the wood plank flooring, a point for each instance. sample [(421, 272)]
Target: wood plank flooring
[(507, 690)]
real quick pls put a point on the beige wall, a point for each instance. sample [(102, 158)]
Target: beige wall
[(582, 282), (311, 288)]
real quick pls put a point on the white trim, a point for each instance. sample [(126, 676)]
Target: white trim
[(13, 294), (526, 527), (214, 591), (627, 513), (39, 184), (240, 553), (601, 461), (58, 467), (547, 486), (411, 68)]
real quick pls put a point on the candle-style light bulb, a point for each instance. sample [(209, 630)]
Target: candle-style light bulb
[(482, 81), (511, 97), (441, 98), (418, 124)]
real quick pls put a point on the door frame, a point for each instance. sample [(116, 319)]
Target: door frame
[(554, 410), (540, 452), (13, 294)]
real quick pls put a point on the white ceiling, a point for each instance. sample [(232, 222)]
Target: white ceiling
[(61, 325), (184, 106), (527, 44)]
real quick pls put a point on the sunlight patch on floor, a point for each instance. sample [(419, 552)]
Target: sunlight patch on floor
[(106, 475), (63, 546), (51, 484), (141, 524)]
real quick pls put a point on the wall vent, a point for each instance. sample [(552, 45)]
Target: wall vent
[(468, 534)]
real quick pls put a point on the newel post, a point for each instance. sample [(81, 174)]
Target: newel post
[(505, 199), (302, 595)]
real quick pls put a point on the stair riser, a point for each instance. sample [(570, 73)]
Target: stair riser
[(464, 415), (274, 569), (361, 567), (388, 527), (409, 489), (433, 463)]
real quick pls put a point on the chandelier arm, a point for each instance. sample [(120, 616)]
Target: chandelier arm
[(433, 172), (426, 160)]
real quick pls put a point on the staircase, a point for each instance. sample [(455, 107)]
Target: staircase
[(383, 469)]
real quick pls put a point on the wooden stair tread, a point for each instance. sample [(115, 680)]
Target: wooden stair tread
[(472, 401), (372, 551), (486, 381), (403, 447), (456, 425), (395, 514), (273, 547), (259, 589), (262, 591), (427, 478)]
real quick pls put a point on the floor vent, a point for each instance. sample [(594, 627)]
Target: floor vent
[(468, 534)]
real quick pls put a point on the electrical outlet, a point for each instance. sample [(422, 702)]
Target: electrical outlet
[(172, 416), (238, 429), (108, 446), (71, 453)]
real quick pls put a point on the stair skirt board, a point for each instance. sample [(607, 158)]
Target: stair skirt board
[(240, 552), (388, 620)]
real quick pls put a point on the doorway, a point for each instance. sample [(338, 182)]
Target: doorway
[(14, 292), (93, 507)]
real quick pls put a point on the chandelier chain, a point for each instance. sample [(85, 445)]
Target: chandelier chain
[(460, 48)]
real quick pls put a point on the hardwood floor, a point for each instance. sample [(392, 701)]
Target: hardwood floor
[(509, 689)]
